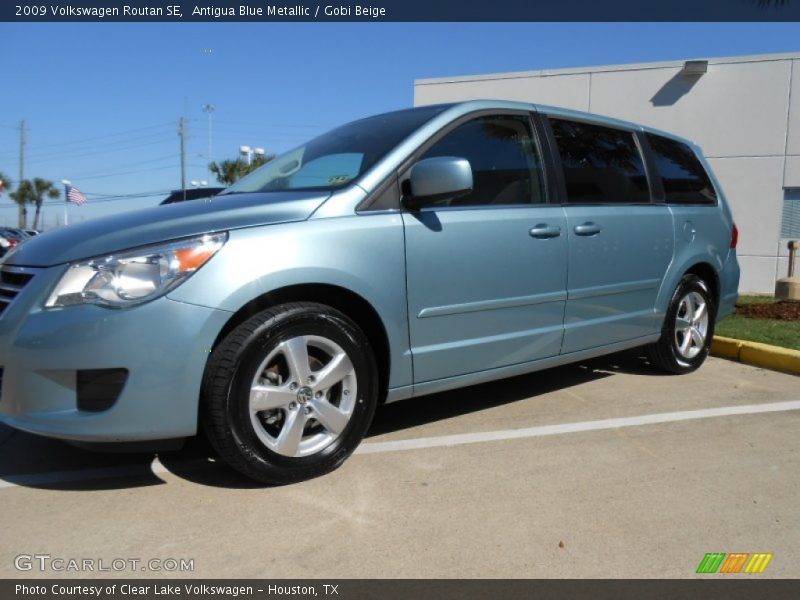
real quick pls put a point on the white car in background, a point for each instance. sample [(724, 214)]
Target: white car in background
[(10, 237)]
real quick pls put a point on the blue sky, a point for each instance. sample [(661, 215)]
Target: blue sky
[(102, 101)]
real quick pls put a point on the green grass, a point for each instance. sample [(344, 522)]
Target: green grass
[(766, 331), (755, 300)]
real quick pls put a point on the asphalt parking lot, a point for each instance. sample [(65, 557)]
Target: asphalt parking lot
[(564, 473)]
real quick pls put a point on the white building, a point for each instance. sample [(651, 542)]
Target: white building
[(743, 111)]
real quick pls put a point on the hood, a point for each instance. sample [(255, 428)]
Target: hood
[(160, 223)]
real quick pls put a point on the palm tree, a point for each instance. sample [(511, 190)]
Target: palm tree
[(33, 192), (40, 189), (229, 172), (21, 197)]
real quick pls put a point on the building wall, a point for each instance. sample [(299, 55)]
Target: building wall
[(744, 112)]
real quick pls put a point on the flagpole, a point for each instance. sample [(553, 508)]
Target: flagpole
[(66, 183)]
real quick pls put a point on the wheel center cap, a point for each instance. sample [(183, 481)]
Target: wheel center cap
[(304, 394)]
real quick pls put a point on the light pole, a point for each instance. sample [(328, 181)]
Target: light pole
[(208, 109), (66, 183), (248, 152)]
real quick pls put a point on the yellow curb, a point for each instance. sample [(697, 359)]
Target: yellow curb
[(757, 354)]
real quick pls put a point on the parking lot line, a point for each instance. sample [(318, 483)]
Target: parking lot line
[(543, 430), (55, 477)]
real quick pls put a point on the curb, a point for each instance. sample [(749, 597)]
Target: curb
[(757, 354)]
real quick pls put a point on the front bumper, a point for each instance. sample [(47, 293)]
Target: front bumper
[(163, 344)]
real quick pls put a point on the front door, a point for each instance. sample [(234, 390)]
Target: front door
[(486, 272)]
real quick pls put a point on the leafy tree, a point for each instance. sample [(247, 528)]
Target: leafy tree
[(33, 192), (229, 172)]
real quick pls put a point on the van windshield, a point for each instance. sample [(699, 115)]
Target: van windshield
[(335, 159)]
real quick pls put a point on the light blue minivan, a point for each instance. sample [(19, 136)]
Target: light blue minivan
[(399, 255)]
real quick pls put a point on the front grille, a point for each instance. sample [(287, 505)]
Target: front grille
[(12, 280)]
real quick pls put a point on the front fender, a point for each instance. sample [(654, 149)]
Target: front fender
[(361, 253)]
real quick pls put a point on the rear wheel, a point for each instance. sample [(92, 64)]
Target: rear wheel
[(290, 393), (688, 328)]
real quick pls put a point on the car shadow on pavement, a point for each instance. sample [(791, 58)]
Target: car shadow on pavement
[(37, 462), (462, 401), (34, 461)]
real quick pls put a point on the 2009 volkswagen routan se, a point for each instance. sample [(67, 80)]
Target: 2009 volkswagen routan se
[(398, 255)]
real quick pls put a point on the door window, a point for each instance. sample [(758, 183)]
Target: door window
[(506, 164), (602, 165)]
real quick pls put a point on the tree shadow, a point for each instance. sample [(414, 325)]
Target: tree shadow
[(37, 462)]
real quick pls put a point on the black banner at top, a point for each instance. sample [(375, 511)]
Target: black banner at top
[(399, 10)]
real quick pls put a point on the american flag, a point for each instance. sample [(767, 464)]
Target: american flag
[(75, 196)]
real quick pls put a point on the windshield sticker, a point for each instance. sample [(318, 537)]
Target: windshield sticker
[(338, 179)]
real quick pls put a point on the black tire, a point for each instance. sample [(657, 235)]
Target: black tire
[(230, 373), (665, 353)]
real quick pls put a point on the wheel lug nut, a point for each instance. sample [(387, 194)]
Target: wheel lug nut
[(318, 395), (293, 386), (308, 410), (310, 379), (292, 405)]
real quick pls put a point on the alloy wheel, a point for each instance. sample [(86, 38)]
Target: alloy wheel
[(691, 325), (302, 396)]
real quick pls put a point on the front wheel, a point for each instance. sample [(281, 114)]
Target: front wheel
[(289, 393), (688, 328)]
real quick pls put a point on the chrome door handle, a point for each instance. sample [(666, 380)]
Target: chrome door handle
[(587, 229), (543, 231)]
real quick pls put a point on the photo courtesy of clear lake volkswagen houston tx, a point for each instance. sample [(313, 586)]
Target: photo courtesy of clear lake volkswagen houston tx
[(395, 256)]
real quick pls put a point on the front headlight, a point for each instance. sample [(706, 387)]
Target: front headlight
[(134, 276)]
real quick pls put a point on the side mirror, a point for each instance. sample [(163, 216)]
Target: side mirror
[(440, 178)]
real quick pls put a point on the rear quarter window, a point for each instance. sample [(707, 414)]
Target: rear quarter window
[(682, 174)]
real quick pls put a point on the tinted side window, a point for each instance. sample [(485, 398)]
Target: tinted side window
[(601, 164), (506, 165), (684, 178)]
